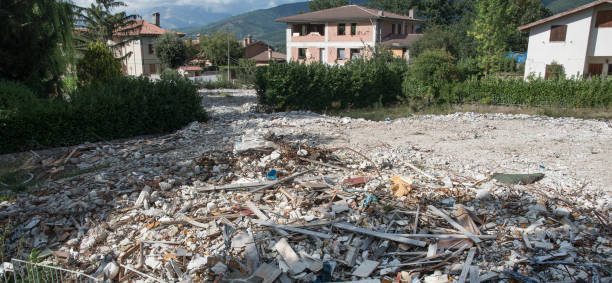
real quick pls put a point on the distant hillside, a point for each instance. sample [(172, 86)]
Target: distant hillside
[(177, 16), (261, 25)]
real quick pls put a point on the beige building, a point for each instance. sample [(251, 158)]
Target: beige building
[(142, 61), (336, 35), (261, 52)]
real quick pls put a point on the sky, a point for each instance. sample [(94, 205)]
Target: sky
[(233, 7)]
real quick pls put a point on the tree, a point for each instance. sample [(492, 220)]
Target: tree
[(98, 23), (214, 48), (491, 30), (98, 65), (316, 5), (395, 6), (170, 49), (36, 42), (523, 12)]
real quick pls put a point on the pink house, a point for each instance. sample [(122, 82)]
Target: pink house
[(336, 35)]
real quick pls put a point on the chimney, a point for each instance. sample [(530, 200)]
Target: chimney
[(381, 13), (156, 18), (269, 54), (249, 39), (411, 13)]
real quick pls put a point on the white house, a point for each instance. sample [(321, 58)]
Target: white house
[(579, 39), (142, 61)]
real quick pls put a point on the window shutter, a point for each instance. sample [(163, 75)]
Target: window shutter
[(595, 69), (558, 33), (604, 19)]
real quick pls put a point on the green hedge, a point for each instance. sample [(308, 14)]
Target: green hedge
[(121, 108), (359, 83), (539, 92)]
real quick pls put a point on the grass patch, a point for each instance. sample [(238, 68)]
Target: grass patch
[(403, 111)]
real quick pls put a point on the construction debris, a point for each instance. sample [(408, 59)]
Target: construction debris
[(167, 209)]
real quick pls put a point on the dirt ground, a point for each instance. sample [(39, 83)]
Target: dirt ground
[(573, 153)]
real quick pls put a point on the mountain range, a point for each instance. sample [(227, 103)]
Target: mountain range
[(260, 23)]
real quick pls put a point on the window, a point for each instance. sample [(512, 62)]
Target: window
[(393, 28), (552, 71), (321, 54), (353, 29), (558, 33), (304, 30), (150, 48), (341, 54), (301, 53), (307, 29), (341, 29), (610, 70), (152, 68), (355, 54), (595, 69), (604, 19)]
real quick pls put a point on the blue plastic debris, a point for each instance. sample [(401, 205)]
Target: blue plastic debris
[(370, 198), (329, 181), (388, 119), (271, 175)]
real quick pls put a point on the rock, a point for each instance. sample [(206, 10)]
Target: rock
[(275, 155), (219, 268), (483, 194), (302, 152), (197, 263), (111, 270), (31, 224), (94, 236), (561, 211), (153, 263), (165, 186), (142, 199)]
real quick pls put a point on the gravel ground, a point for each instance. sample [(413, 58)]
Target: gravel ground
[(573, 153)]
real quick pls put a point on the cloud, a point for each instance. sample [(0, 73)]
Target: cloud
[(216, 6)]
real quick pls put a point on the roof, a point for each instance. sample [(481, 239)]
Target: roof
[(348, 12), (142, 27), (401, 40), (263, 56), (191, 68), (561, 15)]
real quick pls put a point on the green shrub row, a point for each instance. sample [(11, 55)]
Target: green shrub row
[(359, 83), (539, 92), (123, 107)]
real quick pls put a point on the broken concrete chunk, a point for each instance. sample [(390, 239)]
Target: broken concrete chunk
[(219, 268), (197, 263), (366, 268), (94, 236), (518, 179), (289, 256)]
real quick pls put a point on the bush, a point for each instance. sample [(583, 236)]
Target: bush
[(123, 107), (98, 65), (559, 92), (360, 83), (430, 79)]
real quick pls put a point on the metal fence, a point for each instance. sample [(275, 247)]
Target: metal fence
[(30, 272)]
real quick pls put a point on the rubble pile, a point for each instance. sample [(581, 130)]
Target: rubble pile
[(233, 201)]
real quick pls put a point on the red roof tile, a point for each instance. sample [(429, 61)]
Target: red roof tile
[(142, 27), (348, 12)]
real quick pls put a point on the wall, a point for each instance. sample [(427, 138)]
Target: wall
[(571, 53), (149, 58), (364, 33), (331, 41), (600, 43)]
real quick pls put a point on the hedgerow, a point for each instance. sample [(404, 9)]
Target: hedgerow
[(123, 107)]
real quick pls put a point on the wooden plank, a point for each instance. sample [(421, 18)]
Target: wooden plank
[(466, 265), (454, 223), (392, 237), (293, 229), (448, 236), (253, 207)]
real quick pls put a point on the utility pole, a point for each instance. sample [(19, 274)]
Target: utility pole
[(228, 59)]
